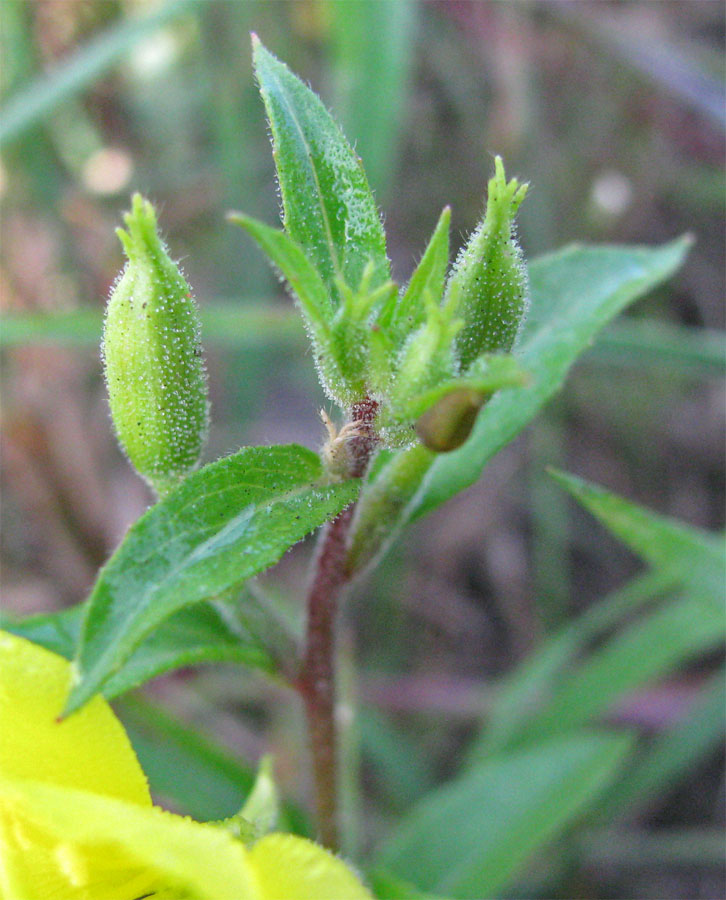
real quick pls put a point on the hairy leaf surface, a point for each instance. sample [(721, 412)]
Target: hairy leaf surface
[(224, 524)]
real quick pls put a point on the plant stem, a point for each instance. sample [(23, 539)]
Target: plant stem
[(316, 682)]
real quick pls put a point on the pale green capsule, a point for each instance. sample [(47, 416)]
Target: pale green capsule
[(155, 374)]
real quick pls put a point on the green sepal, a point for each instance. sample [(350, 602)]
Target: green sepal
[(152, 356), (426, 359), (427, 279), (313, 300), (353, 330), (490, 373), (445, 415), (491, 276), (261, 809), (301, 275)]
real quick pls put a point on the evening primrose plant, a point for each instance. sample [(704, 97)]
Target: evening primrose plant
[(430, 379)]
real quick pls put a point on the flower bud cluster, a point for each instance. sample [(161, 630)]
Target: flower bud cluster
[(431, 354)]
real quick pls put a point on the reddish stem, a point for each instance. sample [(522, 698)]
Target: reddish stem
[(316, 681)]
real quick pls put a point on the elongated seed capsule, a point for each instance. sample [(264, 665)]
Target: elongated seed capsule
[(155, 374)]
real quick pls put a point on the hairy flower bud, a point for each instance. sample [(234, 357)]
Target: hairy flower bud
[(490, 276), (153, 361)]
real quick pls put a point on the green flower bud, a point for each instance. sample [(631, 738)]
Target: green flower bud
[(153, 360), (490, 276)]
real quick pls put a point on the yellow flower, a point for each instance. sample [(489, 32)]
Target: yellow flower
[(77, 821)]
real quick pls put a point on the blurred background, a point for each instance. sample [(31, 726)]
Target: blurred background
[(613, 111)]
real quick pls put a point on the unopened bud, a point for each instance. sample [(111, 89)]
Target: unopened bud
[(153, 360)]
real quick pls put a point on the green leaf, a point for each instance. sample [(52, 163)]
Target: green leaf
[(470, 837), (56, 631), (225, 523), (533, 683), (328, 207), (427, 279), (240, 630), (672, 755), (299, 272), (696, 557), (574, 293), (647, 650), (185, 768)]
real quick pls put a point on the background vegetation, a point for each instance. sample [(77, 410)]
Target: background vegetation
[(615, 114)]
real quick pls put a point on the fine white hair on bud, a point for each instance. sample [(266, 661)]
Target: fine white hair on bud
[(152, 356)]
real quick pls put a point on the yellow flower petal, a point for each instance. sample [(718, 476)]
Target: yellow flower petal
[(76, 821), (64, 844), (89, 750), (291, 868)]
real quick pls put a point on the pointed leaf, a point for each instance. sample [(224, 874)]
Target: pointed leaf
[(697, 557), (239, 630), (225, 523), (287, 256), (328, 207), (468, 838), (647, 650), (428, 278)]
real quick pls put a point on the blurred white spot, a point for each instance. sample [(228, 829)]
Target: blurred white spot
[(107, 171), (612, 193), (154, 55)]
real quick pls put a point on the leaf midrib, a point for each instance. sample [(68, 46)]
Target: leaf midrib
[(323, 210)]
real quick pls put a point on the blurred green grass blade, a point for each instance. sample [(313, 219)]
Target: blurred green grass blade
[(672, 755), (398, 763), (651, 344), (29, 105), (251, 325), (647, 650), (574, 293), (533, 683), (386, 886), (697, 557), (631, 849), (471, 836), (372, 47), (183, 767), (550, 520)]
